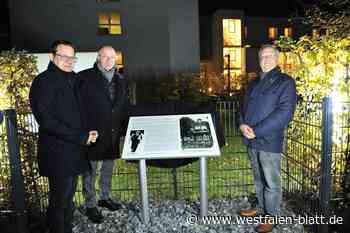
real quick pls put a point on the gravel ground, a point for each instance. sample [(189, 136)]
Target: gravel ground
[(173, 216)]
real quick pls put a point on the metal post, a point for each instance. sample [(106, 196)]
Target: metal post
[(286, 157), (228, 73), (143, 190), (326, 161), (174, 174), (203, 187), (1, 116), (17, 180)]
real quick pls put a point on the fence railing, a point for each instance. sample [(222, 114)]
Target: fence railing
[(316, 161), (313, 166), (10, 154)]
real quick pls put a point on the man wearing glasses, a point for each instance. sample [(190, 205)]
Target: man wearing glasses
[(56, 106), (106, 97)]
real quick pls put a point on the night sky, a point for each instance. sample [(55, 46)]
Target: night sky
[(251, 7), (3, 12), (267, 8)]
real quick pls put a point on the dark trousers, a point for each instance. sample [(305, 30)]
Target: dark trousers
[(61, 206)]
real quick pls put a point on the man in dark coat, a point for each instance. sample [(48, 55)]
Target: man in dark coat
[(62, 136), (268, 108), (106, 97)]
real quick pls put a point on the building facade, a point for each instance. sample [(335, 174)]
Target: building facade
[(231, 40), (153, 38)]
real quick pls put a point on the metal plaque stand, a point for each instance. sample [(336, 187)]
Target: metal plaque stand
[(144, 191)]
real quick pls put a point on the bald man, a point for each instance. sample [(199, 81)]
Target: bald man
[(105, 96)]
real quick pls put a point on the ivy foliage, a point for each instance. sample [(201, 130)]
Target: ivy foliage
[(319, 64)]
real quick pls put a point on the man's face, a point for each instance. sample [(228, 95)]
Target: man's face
[(64, 58), (268, 59), (107, 58)]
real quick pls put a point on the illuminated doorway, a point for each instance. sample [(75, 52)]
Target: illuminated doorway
[(233, 54)]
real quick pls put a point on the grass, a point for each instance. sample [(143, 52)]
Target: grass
[(228, 176)]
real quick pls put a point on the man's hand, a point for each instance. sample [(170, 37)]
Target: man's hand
[(247, 131), (93, 135)]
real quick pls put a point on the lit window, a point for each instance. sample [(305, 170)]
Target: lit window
[(232, 32), (231, 26), (232, 52), (109, 24), (288, 32), (119, 59), (272, 33), (232, 57)]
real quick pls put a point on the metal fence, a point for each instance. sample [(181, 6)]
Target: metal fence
[(302, 158), (13, 212), (313, 166), (35, 185), (5, 178), (228, 176)]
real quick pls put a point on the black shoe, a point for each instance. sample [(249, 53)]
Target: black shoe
[(109, 204), (94, 215)]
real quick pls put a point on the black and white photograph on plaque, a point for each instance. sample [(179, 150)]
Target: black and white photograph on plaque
[(136, 142), (195, 133), (170, 137)]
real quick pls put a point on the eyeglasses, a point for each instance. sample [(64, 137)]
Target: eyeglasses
[(267, 57), (66, 58)]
